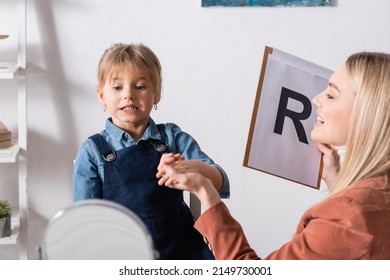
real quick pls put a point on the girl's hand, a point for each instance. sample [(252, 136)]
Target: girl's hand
[(331, 164), (181, 176), (180, 165), (178, 176), (187, 166), (167, 159)]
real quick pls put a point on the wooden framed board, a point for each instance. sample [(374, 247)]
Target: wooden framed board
[(279, 140)]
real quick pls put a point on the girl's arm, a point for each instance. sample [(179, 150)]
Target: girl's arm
[(86, 180), (197, 160)]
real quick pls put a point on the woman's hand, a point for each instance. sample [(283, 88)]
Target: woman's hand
[(195, 166), (331, 164), (167, 159), (182, 168), (183, 176)]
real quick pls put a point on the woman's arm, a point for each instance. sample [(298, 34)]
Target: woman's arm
[(223, 233), (323, 238)]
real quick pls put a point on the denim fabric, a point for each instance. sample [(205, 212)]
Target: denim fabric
[(88, 175), (130, 180)]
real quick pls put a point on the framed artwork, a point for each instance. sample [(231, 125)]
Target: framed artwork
[(266, 3), (279, 140)]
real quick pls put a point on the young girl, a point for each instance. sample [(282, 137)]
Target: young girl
[(354, 221), (120, 163)]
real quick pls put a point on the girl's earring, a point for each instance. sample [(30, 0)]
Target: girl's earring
[(155, 106), (104, 107)]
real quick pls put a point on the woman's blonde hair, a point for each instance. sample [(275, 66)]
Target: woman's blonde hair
[(120, 57), (368, 143)]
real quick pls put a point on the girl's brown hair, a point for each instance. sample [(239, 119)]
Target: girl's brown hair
[(121, 56)]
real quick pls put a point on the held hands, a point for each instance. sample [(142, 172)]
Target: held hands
[(168, 158), (171, 159), (331, 164), (175, 172), (174, 166)]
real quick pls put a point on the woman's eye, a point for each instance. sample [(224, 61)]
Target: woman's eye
[(329, 96)]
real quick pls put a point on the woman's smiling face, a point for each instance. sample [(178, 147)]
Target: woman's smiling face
[(334, 108)]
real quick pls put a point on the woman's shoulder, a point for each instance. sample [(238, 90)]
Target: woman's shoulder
[(368, 191), (376, 182), (359, 196)]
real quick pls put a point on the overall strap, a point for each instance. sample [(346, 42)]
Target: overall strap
[(161, 129), (162, 145), (105, 149)]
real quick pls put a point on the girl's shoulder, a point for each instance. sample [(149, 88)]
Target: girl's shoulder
[(176, 132), (171, 129), (169, 126), (89, 146)]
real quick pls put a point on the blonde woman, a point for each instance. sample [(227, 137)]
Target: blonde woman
[(354, 221)]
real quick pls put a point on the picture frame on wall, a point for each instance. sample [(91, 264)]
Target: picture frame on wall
[(266, 3), (279, 140)]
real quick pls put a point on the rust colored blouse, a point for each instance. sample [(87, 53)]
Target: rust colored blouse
[(346, 225)]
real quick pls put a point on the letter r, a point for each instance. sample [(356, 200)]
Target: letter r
[(296, 117)]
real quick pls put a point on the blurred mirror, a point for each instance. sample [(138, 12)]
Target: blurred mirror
[(96, 229)]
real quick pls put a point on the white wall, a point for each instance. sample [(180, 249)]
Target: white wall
[(211, 59)]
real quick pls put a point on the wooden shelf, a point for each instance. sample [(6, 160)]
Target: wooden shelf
[(8, 70)]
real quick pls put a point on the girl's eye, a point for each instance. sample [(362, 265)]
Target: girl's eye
[(140, 87), (117, 87)]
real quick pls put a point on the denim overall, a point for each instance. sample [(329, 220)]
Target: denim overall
[(130, 180)]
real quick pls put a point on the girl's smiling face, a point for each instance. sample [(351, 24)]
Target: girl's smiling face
[(335, 105), (129, 96)]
